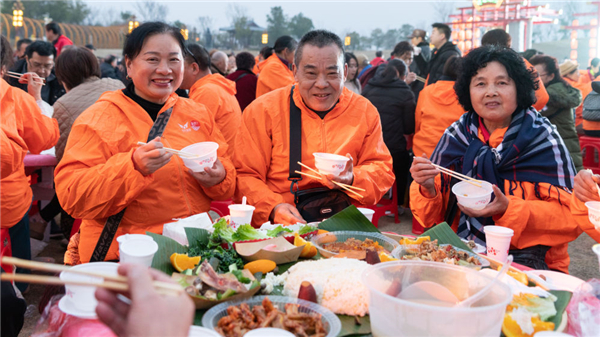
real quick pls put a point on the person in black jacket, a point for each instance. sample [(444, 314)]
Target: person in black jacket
[(418, 39), (444, 48), (108, 68), (39, 59), (395, 102)]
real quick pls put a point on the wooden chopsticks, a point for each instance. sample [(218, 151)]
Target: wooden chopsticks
[(348, 188), (175, 152), (495, 264), (18, 76), (458, 176), (113, 282), (421, 79)]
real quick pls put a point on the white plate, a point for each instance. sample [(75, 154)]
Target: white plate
[(559, 281), (198, 331), (65, 305), (479, 249)]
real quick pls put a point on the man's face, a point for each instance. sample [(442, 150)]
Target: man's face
[(320, 75), (21, 51), (416, 40), (41, 65), (50, 36), (437, 37)]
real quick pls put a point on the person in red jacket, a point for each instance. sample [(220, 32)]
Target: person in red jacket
[(54, 35), (245, 80)]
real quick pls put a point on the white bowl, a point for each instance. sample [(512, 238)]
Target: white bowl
[(138, 251), (472, 196), (328, 163), (82, 297), (594, 213), (207, 155)]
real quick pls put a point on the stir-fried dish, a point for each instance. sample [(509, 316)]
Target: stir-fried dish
[(353, 244), (430, 251)]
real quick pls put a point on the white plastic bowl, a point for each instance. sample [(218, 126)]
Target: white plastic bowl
[(472, 196), (594, 213), (391, 316), (328, 163), (207, 155), (82, 297)]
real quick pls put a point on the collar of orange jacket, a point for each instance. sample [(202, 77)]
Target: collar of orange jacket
[(338, 109), (125, 103), (275, 59), (494, 139), (444, 93), (3, 87), (216, 79)]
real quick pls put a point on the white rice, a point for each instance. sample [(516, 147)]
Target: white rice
[(337, 283)]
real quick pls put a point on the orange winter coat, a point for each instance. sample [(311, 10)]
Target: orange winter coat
[(262, 148), (544, 221), (218, 94), (436, 110), (96, 177), (580, 214), (585, 87), (24, 124), (541, 94), (274, 74)]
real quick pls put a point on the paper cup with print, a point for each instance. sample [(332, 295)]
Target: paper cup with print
[(594, 213), (328, 163), (241, 214), (138, 251), (498, 242), (82, 297), (472, 196), (367, 212), (206, 153)]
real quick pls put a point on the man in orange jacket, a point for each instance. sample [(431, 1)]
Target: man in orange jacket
[(214, 91), (334, 120), (275, 71)]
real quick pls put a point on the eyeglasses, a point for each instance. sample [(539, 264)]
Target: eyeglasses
[(36, 66)]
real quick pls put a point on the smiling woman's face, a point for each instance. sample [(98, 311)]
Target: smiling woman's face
[(494, 94), (157, 71)]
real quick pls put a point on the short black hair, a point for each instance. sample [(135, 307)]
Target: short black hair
[(498, 37), (244, 61), (401, 48), (444, 28), (75, 65), (479, 58), (452, 67), (54, 27), (550, 65), (197, 54), (318, 38), (529, 53), (21, 41), (90, 46), (109, 59), (6, 53), (394, 68), (42, 48), (595, 61), (284, 42), (350, 56), (135, 40), (378, 53), (266, 52)]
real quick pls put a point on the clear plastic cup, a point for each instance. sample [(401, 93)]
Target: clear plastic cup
[(82, 297), (472, 196), (138, 251), (367, 212), (392, 316), (497, 240), (241, 214)]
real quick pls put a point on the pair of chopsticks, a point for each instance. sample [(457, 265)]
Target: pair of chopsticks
[(348, 188), (175, 152), (494, 264), (458, 176), (18, 76), (111, 282), (421, 79)]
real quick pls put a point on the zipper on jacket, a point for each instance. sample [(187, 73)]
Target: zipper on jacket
[(181, 179), (323, 136)]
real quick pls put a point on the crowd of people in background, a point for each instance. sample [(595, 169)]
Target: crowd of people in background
[(392, 116)]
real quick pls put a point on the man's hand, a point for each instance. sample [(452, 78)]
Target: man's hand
[(34, 84), (496, 207), (586, 186), (410, 77), (148, 158), (286, 215), (149, 314), (211, 176), (345, 177), (423, 173)]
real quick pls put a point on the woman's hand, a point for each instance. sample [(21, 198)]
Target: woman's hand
[(34, 84), (148, 158), (211, 176), (497, 207), (286, 214), (423, 173), (345, 177), (586, 186)]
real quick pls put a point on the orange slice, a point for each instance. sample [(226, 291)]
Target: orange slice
[(183, 262)]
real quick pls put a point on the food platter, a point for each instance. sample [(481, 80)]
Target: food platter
[(559, 281), (320, 241), (401, 252)]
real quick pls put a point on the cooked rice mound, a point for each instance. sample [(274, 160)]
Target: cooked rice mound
[(337, 283)]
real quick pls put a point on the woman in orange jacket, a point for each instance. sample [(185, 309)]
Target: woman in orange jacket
[(276, 71), (504, 141), (104, 172)]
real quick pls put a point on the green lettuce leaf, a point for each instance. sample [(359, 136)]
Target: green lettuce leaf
[(305, 229), (278, 230), (247, 232), (222, 232)]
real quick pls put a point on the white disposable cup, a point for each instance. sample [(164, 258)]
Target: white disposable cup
[(498, 241), (328, 163), (472, 196), (82, 297), (367, 212), (596, 249), (241, 214), (138, 251), (207, 155), (594, 213), (125, 237)]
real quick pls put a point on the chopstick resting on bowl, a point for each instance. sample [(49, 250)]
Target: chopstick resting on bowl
[(458, 176), (115, 282), (19, 75), (186, 155)]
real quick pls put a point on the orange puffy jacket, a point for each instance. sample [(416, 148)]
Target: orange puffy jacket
[(24, 124), (274, 74), (541, 94), (262, 148), (96, 177)]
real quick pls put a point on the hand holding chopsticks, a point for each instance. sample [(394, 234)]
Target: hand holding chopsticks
[(319, 176), (32, 76), (421, 79), (173, 151)]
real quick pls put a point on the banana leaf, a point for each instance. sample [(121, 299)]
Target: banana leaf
[(197, 236), (562, 300), (350, 219), (445, 235), (166, 247)]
